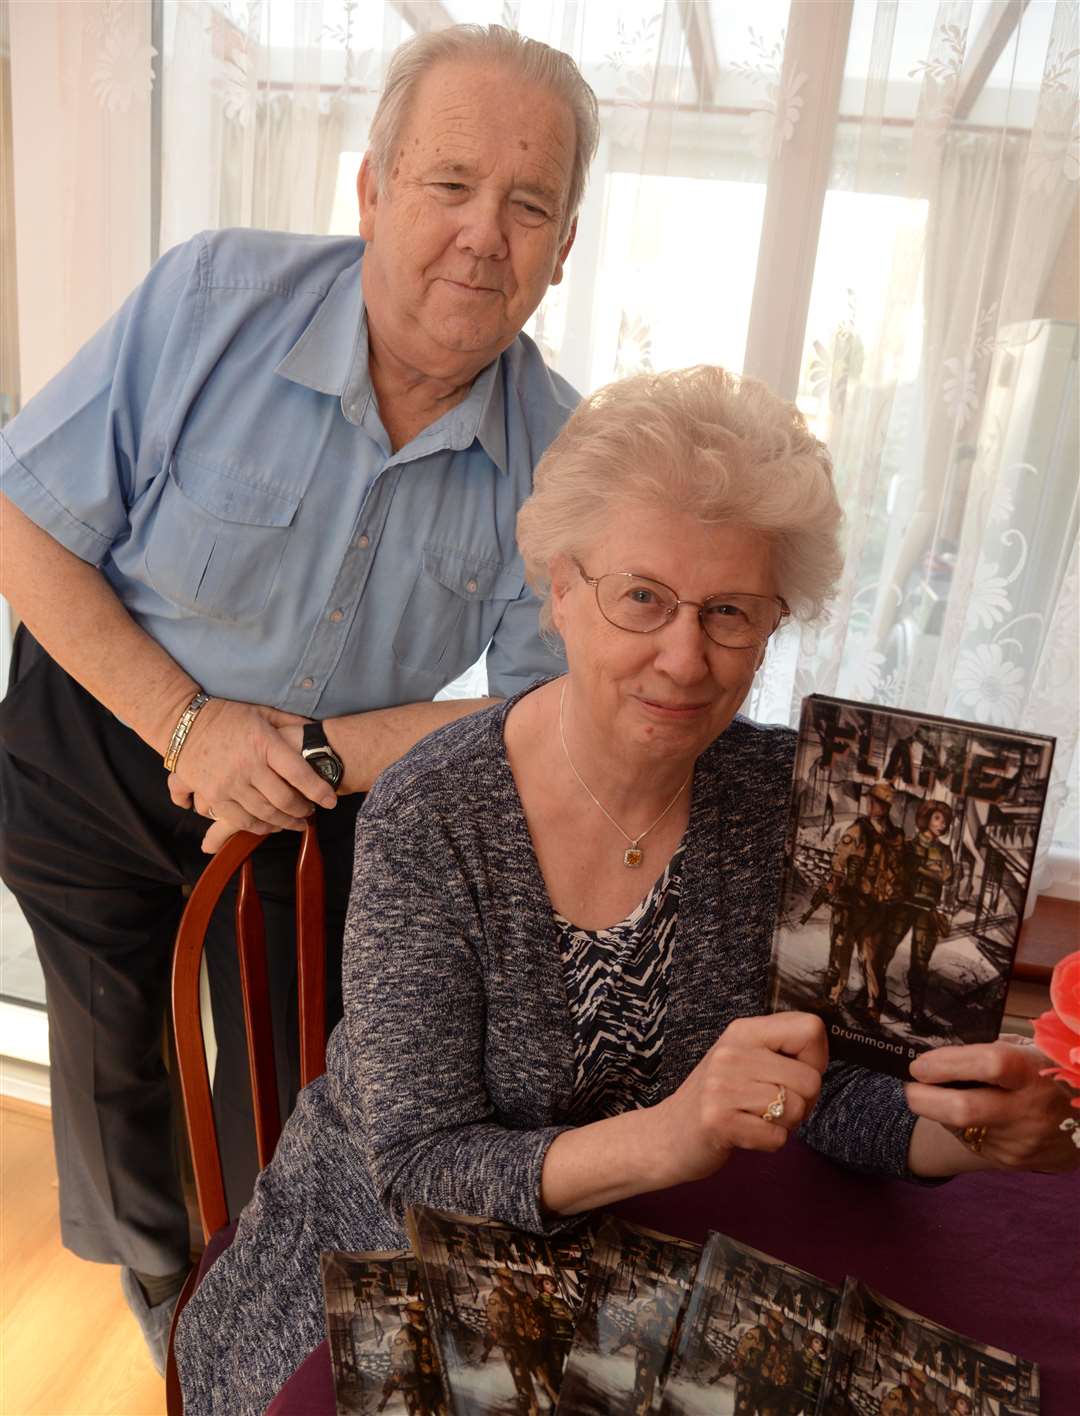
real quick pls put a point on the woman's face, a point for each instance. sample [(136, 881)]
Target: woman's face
[(671, 692)]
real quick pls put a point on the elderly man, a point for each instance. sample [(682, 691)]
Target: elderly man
[(252, 528)]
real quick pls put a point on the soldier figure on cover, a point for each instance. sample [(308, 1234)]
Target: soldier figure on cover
[(897, 1401), (814, 1353), (414, 1368), (516, 1325), (746, 1364), (558, 1319), (765, 1369), (929, 869), (652, 1329), (776, 1394), (866, 884)]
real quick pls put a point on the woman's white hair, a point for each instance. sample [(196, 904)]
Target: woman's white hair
[(478, 44), (726, 450)]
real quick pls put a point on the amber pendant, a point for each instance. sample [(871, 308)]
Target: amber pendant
[(633, 856)]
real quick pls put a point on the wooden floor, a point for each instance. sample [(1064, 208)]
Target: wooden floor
[(70, 1346)]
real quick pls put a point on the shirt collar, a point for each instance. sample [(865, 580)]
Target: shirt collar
[(323, 357), (331, 357)]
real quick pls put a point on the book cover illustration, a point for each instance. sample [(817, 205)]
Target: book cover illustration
[(639, 1283), (380, 1346), (886, 1359), (501, 1306), (755, 1336), (910, 849)]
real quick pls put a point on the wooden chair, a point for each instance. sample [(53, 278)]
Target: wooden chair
[(187, 1024)]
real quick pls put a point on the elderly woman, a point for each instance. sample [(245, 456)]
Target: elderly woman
[(558, 937)]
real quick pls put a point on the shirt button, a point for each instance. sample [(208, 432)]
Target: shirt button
[(470, 585), (307, 683), (363, 542), (336, 615)]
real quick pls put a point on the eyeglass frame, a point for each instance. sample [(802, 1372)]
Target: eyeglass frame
[(669, 614)]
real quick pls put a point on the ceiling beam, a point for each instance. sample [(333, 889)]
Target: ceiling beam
[(697, 28), (999, 22)]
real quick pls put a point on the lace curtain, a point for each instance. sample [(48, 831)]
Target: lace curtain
[(872, 205)]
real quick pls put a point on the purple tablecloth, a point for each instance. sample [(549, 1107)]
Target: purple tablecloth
[(997, 1257)]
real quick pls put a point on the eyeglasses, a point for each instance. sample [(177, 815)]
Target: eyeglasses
[(641, 605)]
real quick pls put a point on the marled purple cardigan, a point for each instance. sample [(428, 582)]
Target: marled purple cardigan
[(453, 1068)]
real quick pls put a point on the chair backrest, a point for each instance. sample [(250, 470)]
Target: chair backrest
[(251, 947)]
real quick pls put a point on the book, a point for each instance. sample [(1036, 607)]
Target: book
[(887, 1359), (637, 1290), (380, 1344), (755, 1336), (910, 848), (501, 1306)]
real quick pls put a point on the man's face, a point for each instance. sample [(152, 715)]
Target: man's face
[(467, 233)]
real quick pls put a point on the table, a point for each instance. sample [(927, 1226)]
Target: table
[(996, 1257)]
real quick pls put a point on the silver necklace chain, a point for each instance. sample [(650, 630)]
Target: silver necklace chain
[(633, 855)]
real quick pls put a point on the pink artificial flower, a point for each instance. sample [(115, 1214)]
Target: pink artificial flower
[(1057, 1032), (1065, 990)]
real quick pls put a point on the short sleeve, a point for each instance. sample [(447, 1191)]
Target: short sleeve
[(78, 455), (518, 656)]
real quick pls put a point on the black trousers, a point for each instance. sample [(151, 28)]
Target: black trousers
[(98, 858)]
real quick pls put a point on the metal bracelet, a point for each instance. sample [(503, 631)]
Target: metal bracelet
[(183, 727)]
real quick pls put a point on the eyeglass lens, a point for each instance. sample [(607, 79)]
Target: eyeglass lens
[(736, 621)]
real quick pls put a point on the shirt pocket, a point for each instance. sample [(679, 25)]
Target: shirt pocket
[(217, 540), (455, 603)]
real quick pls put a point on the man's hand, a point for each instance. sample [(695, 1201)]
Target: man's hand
[(237, 769)]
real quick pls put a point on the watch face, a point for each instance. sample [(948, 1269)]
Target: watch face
[(327, 766)]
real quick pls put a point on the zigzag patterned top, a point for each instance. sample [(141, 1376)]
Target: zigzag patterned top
[(616, 984)]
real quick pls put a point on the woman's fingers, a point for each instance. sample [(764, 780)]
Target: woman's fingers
[(994, 1064), (800, 1035), (747, 1132), (1018, 1111), (748, 1095), (759, 1080)]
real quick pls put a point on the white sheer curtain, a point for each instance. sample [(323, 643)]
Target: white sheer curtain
[(871, 204), (940, 365)]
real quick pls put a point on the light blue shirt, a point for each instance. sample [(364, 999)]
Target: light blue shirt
[(217, 450)]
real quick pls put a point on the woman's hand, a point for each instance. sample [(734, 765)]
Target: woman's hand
[(721, 1105), (1020, 1111), (690, 1134)]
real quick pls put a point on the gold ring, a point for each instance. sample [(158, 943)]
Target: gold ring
[(972, 1137), (775, 1109)]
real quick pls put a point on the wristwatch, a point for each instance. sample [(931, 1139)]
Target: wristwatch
[(319, 754)]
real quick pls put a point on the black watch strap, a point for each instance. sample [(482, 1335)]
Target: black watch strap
[(316, 750), (315, 736)]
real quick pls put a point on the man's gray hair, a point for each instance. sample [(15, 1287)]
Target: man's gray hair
[(494, 44), (723, 449)]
